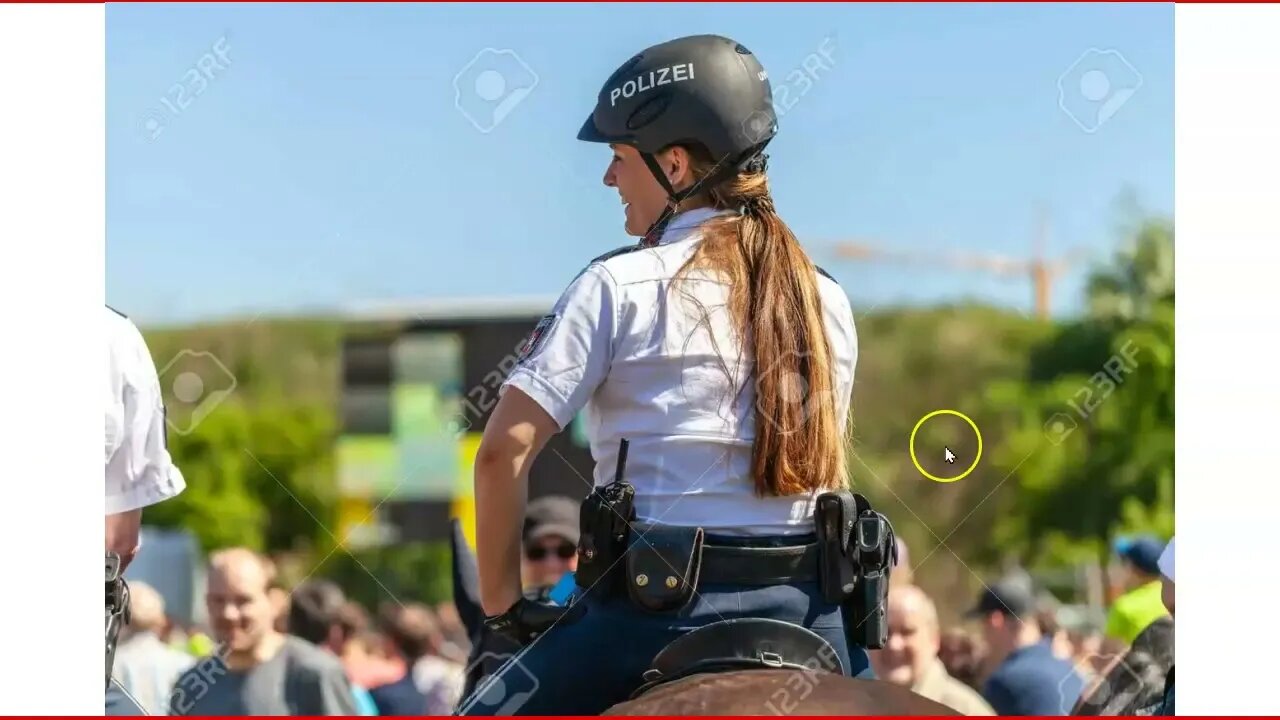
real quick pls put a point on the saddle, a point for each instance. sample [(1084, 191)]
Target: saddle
[(741, 644), (757, 666)]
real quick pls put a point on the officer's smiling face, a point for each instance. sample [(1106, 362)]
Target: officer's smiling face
[(640, 192)]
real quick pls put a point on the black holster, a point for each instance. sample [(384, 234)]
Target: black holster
[(117, 608), (857, 551), (605, 530)]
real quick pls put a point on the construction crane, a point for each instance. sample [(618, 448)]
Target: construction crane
[(1042, 273)]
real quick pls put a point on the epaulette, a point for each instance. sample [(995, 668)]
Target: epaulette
[(825, 274), (616, 252), (126, 317), (611, 254)]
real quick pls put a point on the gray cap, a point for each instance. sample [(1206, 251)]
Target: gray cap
[(552, 515), (1006, 597)]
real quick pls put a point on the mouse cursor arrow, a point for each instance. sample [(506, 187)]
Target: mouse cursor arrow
[(948, 455)]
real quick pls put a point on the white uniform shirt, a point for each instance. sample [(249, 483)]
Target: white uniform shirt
[(139, 469), (645, 368)]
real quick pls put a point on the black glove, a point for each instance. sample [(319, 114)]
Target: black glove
[(528, 619)]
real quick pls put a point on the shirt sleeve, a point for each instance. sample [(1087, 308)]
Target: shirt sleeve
[(141, 471), (336, 694), (842, 336), (569, 352)]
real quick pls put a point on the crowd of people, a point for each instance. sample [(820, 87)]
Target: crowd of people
[(311, 650), (1015, 658)]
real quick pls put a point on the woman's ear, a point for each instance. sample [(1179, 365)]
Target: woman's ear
[(677, 164)]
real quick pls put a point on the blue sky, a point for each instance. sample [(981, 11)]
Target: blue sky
[(319, 158)]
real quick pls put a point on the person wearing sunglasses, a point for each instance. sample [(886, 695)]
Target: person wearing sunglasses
[(550, 542)]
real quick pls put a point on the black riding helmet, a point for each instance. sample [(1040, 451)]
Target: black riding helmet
[(702, 89)]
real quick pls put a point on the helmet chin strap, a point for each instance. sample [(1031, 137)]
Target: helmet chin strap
[(721, 171), (653, 235)]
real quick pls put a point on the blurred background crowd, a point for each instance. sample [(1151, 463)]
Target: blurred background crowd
[(310, 649)]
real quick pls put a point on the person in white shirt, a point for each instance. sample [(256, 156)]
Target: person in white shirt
[(146, 667), (717, 350), (139, 469)]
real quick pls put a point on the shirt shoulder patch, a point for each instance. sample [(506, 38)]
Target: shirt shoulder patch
[(538, 337), (825, 274), (126, 317)]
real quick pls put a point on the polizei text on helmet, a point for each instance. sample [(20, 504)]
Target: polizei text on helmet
[(650, 80)]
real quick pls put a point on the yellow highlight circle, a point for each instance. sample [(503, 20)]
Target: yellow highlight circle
[(911, 446)]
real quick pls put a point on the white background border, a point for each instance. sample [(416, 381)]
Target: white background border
[(52, 356), (52, 229), (1227, 205)]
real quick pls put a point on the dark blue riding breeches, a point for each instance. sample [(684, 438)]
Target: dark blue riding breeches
[(587, 666)]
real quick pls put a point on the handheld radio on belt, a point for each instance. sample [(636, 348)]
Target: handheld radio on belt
[(604, 523), (117, 608)]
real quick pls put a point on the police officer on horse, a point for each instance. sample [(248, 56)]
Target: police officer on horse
[(715, 363)]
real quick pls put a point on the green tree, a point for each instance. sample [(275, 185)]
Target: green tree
[(1091, 451)]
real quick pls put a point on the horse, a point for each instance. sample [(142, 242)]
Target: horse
[(742, 666), (778, 692)]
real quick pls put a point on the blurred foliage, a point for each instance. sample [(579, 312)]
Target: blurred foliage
[(1093, 449), (260, 469)]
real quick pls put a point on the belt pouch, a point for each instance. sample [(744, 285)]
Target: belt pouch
[(663, 567)]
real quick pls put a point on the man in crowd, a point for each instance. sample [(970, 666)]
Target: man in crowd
[(1028, 679), (1133, 611), (315, 615), (364, 654), (432, 685), (258, 670), (146, 667), (549, 538), (550, 542), (910, 658)]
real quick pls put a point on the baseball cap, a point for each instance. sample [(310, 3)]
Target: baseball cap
[(551, 515), (1007, 597), (1143, 551)]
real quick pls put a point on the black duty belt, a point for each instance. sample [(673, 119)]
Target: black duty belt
[(732, 565)]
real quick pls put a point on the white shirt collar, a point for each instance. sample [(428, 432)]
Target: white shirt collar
[(684, 224)]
